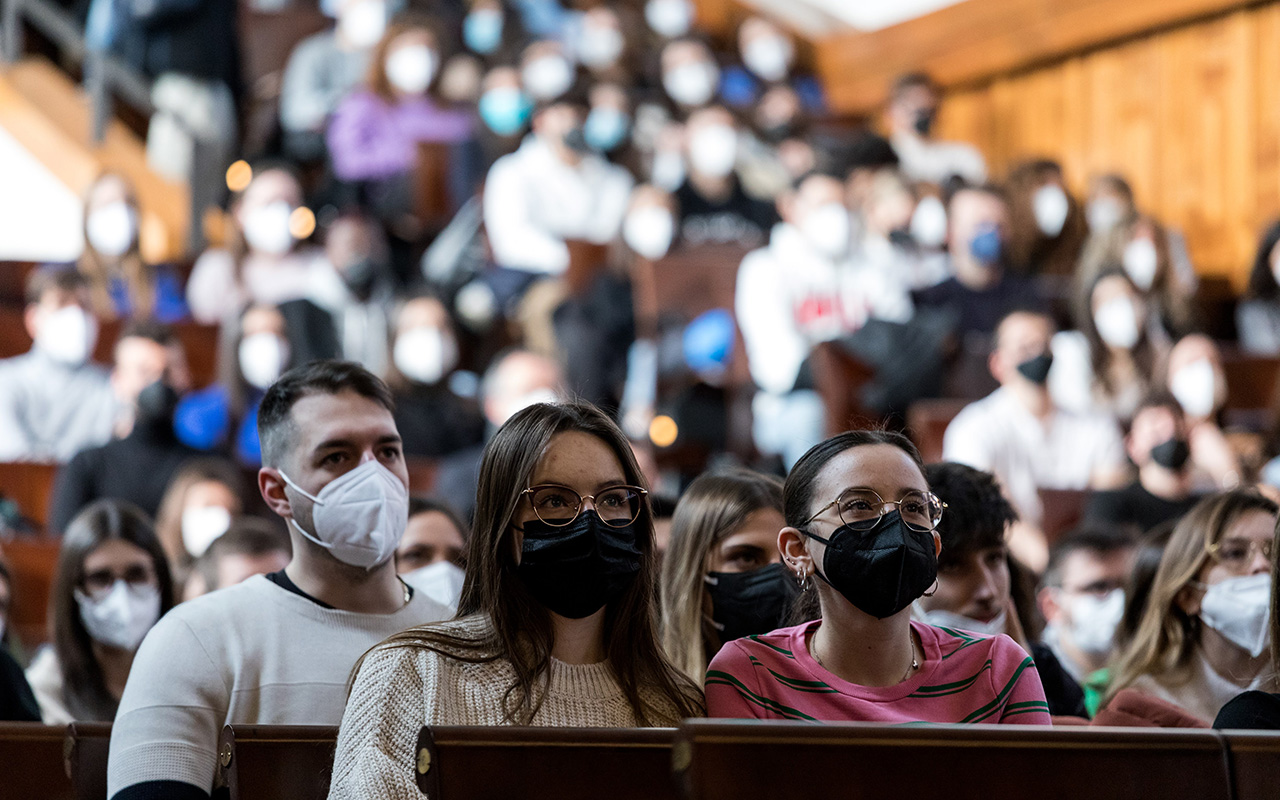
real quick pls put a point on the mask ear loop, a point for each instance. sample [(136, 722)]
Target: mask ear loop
[(934, 589)]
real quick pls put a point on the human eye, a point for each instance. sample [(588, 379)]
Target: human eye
[(391, 452)]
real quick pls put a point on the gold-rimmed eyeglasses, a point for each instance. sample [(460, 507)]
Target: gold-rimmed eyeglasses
[(559, 505), (861, 509)]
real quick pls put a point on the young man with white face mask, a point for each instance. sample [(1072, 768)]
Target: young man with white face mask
[(279, 648), (1082, 596), (54, 401), (714, 209)]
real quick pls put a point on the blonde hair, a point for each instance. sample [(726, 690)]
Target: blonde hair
[(1166, 637), (713, 507)]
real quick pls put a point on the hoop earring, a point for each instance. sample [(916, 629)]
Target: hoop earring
[(934, 588), (803, 580)]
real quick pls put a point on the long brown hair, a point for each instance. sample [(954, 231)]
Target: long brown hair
[(169, 515), (137, 274), (714, 506), (1166, 636), (522, 632)]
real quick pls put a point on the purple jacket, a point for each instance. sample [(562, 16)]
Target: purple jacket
[(371, 139)]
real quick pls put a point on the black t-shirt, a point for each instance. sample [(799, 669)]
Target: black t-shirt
[(980, 311), (1253, 710), (17, 703), (282, 580), (435, 422), (740, 219), (1135, 506), (1064, 695)]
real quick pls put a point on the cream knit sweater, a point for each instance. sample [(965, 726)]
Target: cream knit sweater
[(401, 689)]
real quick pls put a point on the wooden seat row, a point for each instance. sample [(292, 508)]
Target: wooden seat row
[(705, 760)]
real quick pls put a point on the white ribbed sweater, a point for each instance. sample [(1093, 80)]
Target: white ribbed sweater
[(401, 689)]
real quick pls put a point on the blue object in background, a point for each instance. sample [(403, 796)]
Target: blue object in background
[(708, 342)]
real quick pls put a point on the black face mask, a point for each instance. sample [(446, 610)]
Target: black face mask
[(880, 571), (924, 120), (360, 277), (1036, 369), (576, 140), (747, 603), (901, 237), (577, 569), (1172, 454), (156, 404)]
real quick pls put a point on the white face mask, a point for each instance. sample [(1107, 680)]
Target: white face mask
[(668, 170), (1195, 388), (1117, 323), (1240, 610), (122, 617), (929, 222), (262, 358), (949, 619), (649, 231), (441, 581), (827, 228), (713, 150), (600, 47), (410, 69), (669, 18), (769, 57), (1141, 262), (267, 230), (547, 77), (112, 229), (67, 335), (692, 84), (358, 517), (201, 526), (1094, 621), (1050, 206), (363, 24), (1104, 214), (425, 354)]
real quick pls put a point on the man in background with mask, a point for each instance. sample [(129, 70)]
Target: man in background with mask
[(1157, 445), (912, 114), (714, 209), (278, 649), (1082, 596), (54, 402), (975, 586), (149, 377), (1024, 439)]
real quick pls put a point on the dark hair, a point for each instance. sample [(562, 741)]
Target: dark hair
[(1161, 398), (1098, 538), (1138, 588), (247, 536), (911, 80), (977, 514), (318, 377), (956, 188), (522, 629), (47, 279), (427, 505), (150, 330), (1262, 281), (84, 689)]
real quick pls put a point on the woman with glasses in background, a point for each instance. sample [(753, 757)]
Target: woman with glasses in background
[(111, 585), (556, 623), (861, 533), (1204, 636)]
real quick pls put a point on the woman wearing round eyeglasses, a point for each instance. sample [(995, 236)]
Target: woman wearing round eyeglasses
[(1204, 636), (861, 535), (555, 625), (110, 586)]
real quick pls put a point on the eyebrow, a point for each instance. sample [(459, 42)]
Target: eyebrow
[(337, 442), (901, 491)]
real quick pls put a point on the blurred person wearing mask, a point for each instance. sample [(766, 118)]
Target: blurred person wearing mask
[(250, 546), (515, 380), (359, 289), (150, 376), (323, 69), (122, 283), (492, 30), (669, 19), (279, 648), (505, 109), (433, 551), (1258, 312), (1157, 445), (54, 401), (601, 45), (550, 191), (975, 588), (546, 71), (775, 150), (981, 290), (266, 260), (607, 127), (432, 419), (253, 350), (200, 504), (110, 586), (1203, 636), (1018, 434), (912, 116), (886, 245), (768, 59), (1112, 360), (714, 208), (1047, 225), (1196, 378), (1082, 596), (690, 75)]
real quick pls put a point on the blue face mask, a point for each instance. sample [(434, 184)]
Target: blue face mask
[(987, 246), (605, 129), (505, 110), (482, 31)]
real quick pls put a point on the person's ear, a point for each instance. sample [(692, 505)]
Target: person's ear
[(937, 544), (1047, 599), (995, 367), (271, 486), (1188, 599), (794, 553), (31, 320)]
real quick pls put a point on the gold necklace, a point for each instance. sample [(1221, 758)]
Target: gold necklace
[(915, 664)]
